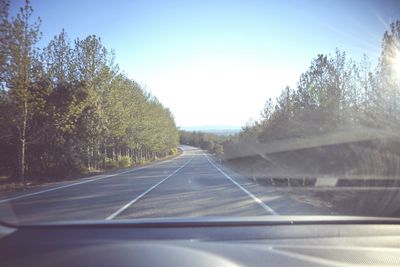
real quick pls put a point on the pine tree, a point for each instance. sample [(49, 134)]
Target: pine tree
[(23, 59)]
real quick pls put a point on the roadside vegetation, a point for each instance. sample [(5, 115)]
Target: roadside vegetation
[(213, 143), (336, 94), (67, 108)]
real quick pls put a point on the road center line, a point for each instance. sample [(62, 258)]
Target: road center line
[(119, 211), (256, 199), (83, 182)]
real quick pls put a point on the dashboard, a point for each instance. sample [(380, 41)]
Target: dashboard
[(283, 241)]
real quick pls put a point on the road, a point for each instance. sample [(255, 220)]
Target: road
[(190, 185)]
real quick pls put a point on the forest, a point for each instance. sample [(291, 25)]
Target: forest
[(342, 116), (335, 94), (67, 108), (213, 143)]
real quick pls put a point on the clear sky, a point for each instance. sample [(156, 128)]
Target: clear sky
[(217, 62)]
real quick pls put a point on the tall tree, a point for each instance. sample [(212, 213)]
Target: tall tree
[(389, 72), (66, 108), (58, 59), (21, 71), (4, 40)]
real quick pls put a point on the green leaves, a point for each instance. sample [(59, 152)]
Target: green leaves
[(66, 108), (335, 92)]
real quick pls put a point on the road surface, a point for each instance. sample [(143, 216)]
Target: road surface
[(190, 185)]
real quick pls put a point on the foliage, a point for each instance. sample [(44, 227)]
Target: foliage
[(67, 107), (333, 93), (173, 151), (207, 141), (124, 161)]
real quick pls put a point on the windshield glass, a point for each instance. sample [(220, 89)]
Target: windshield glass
[(154, 109)]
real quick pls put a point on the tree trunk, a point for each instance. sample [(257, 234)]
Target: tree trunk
[(23, 143), (88, 159), (104, 156), (130, 153), (136, 155), (98, 157)]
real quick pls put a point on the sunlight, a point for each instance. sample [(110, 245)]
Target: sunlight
[(185, 88), (397, 64)]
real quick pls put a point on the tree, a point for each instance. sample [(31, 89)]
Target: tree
[(58, 59), (67, 108), (207, 141), (4, 41), (21, 70), (389, 73)]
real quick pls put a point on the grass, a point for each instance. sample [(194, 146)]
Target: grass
[(10, 185)]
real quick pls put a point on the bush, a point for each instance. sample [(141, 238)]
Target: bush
[(218, 149), (173, 151), (143, 161), (111, 164), (124, 161)]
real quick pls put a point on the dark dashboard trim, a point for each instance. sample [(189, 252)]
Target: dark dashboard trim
[(213, 222)]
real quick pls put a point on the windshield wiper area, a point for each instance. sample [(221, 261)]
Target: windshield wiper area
[(211, 221)]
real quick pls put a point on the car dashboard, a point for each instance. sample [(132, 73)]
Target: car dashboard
[(278, 241)]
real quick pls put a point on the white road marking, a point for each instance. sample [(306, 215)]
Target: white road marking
[(83, 182), (256, 199), (326, 181), (112, 216)]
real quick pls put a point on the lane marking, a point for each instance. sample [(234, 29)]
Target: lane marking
[(326, 181), (256, 199), (123, 208), (86, 181)]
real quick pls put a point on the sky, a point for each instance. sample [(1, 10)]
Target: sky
[(217, 62)]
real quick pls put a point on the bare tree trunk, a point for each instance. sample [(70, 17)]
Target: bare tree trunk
[(88, 160), (23, 142), (136, 155), (98, 157), (135, 159), (130, 154), (104, 156), (93, 160)]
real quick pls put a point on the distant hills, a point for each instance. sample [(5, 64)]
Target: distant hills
[(215, 129)]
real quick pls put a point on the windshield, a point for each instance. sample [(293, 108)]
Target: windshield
[(154, 109)]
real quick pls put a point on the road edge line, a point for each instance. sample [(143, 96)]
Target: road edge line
[(256, 199), (85, 181)]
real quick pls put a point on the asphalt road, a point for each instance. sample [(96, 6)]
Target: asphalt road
[(190, 185)]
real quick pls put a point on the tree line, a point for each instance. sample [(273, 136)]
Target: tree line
[(334, 92), (67, 108), (207, 141)]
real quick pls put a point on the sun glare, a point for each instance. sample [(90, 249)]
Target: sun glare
[(397, 64)]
